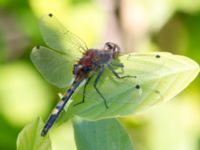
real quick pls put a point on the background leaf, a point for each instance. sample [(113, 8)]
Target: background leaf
[(29, 138), (107, 134)]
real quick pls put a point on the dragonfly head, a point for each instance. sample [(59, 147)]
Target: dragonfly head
[(113, 48)]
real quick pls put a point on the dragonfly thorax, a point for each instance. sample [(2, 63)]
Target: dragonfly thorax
[(94, 59)]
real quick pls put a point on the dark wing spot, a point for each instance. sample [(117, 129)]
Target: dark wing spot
[(50, 15), (137, 86), (38, 47), (158, 56)]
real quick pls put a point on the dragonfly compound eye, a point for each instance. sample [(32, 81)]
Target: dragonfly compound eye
[(113, 48)]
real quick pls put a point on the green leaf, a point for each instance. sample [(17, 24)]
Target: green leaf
[(105, 134), (29, 138), (160, 76)]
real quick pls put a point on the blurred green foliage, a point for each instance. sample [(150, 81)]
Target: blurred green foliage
[(170, 25)]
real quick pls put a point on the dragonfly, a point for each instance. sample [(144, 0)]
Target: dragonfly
[(145, 77), (93, 61)]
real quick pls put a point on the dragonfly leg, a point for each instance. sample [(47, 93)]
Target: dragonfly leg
[(120, 65), (84, 91), (95, 86), (117, 75)]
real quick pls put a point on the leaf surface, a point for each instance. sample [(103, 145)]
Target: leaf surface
[(159, 76), (107, 134), (29, 138)]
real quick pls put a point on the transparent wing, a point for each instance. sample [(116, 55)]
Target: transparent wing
[(57, 37), (160, 77), (55, 67)]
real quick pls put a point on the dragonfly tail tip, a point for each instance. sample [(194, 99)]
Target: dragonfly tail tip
[(44, 132)]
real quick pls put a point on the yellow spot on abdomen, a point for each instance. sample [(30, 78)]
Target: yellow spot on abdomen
[(55, 111)]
